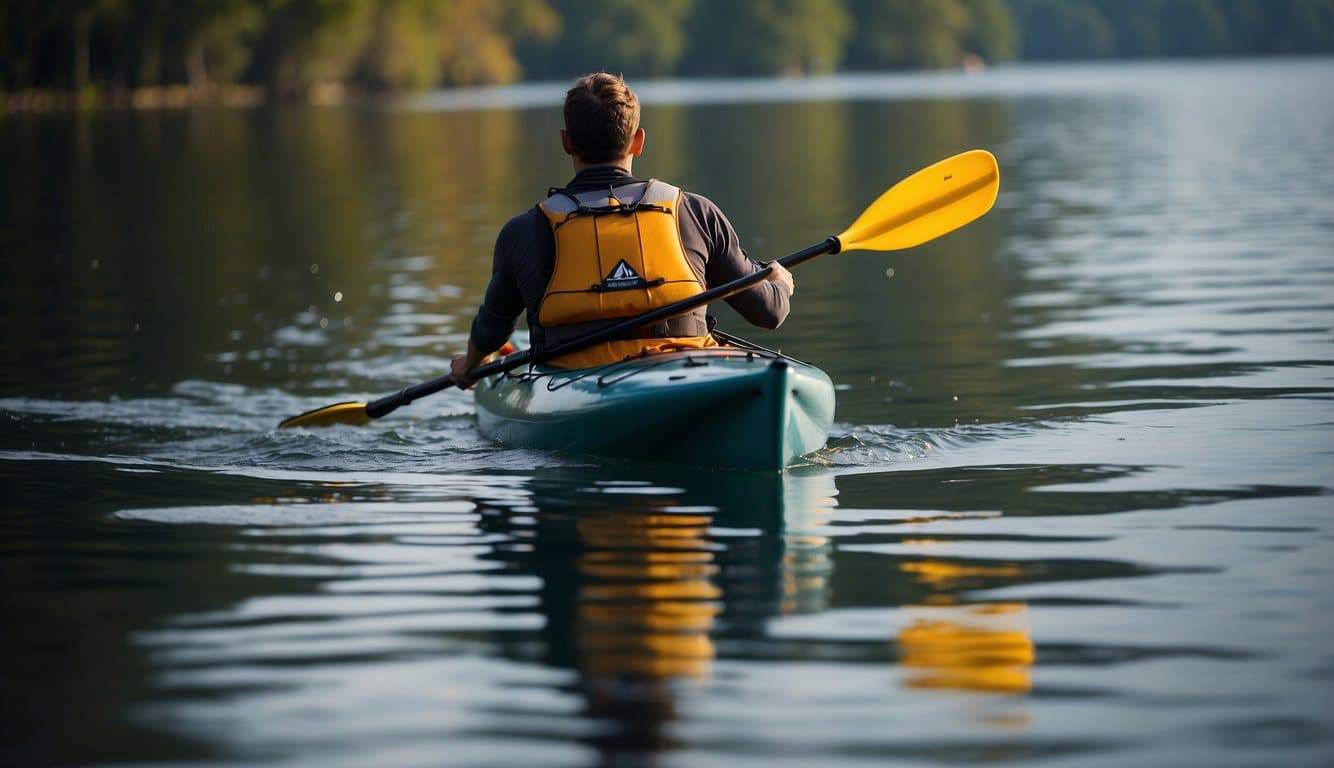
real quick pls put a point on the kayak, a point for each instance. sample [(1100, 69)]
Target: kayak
[(731, 406)]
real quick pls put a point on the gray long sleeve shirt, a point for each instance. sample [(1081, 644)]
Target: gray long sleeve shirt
[(525, 252)]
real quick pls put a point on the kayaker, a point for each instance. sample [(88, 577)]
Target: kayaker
[(608, 246)]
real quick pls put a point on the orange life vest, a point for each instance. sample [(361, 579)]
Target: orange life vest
[(618, 254)]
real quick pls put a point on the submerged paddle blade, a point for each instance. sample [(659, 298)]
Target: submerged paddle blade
[(935, 200), (352, 414)]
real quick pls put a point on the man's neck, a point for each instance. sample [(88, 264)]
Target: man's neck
[(624, 164)]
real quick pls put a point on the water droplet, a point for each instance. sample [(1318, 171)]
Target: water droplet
[(338, 296), (314, 269), (956, 398), (889, 272), (324, 323)]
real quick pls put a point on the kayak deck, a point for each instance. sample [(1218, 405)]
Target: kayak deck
[(718, 407)]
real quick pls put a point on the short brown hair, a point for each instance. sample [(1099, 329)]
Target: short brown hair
[(601, 116)]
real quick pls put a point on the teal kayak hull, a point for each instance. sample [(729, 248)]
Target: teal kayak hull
[(725, 407)]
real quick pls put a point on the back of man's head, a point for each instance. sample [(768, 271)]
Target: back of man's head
[(601, 117)]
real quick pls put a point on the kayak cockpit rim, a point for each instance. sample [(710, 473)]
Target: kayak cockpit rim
[(732, 346)]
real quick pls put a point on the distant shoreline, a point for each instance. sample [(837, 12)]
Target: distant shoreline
[(888, 84), (149, 98)]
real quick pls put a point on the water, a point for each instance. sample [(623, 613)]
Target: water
[(1076, 508)]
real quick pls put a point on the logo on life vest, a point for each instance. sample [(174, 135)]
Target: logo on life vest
[(622, 276)]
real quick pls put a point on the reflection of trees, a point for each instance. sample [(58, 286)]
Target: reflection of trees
[(946, 310), (201, 229), (206, 227)]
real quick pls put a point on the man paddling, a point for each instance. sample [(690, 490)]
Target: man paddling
[(608, 246)]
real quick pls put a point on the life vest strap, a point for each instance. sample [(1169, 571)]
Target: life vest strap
[(625, 209)]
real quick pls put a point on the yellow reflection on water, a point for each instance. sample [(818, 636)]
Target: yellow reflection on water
[(981, 647), (647, 604), (971, 648), (942, 574)]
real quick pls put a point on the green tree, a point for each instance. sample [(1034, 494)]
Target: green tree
[(1192, 28), (1297, 26), (307, 42), (1063, 29), (22, 26), (478, 38), (427, 43), (76, 20), (991, 31), (769, 37), (216, 36), (900, 34), (402, 51), (630, 36), (143, 29), (1136, 32)]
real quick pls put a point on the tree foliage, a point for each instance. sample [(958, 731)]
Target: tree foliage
[(630, 36), (897, 34), (291, 46)]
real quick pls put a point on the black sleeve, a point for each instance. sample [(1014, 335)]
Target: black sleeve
[(503, 303), (765, 305)]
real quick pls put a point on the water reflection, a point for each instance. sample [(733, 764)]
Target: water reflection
[(973, 648), (647, 603), (641, 580), (981, 647), (214, 244)]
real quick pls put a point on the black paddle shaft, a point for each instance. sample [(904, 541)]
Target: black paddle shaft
[(389, 403)]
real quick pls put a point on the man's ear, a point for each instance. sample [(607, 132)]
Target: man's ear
[(637, 143), (565, 143)]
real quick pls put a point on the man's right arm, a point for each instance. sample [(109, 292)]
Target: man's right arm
[(502, 305), (765, 305)]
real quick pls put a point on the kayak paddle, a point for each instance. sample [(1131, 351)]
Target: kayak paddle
[(932, 202)]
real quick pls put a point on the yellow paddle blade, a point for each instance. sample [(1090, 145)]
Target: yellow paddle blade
[(935, 200), (352, 414)]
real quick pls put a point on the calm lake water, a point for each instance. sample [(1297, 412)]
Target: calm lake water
[(1077, 507)]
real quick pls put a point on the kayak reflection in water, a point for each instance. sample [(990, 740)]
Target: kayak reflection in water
[(608, 246), (637, 590)]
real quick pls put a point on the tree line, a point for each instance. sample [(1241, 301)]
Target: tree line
[(290, 46)]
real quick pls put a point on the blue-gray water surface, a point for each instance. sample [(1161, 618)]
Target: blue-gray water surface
[(1076, 509)]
